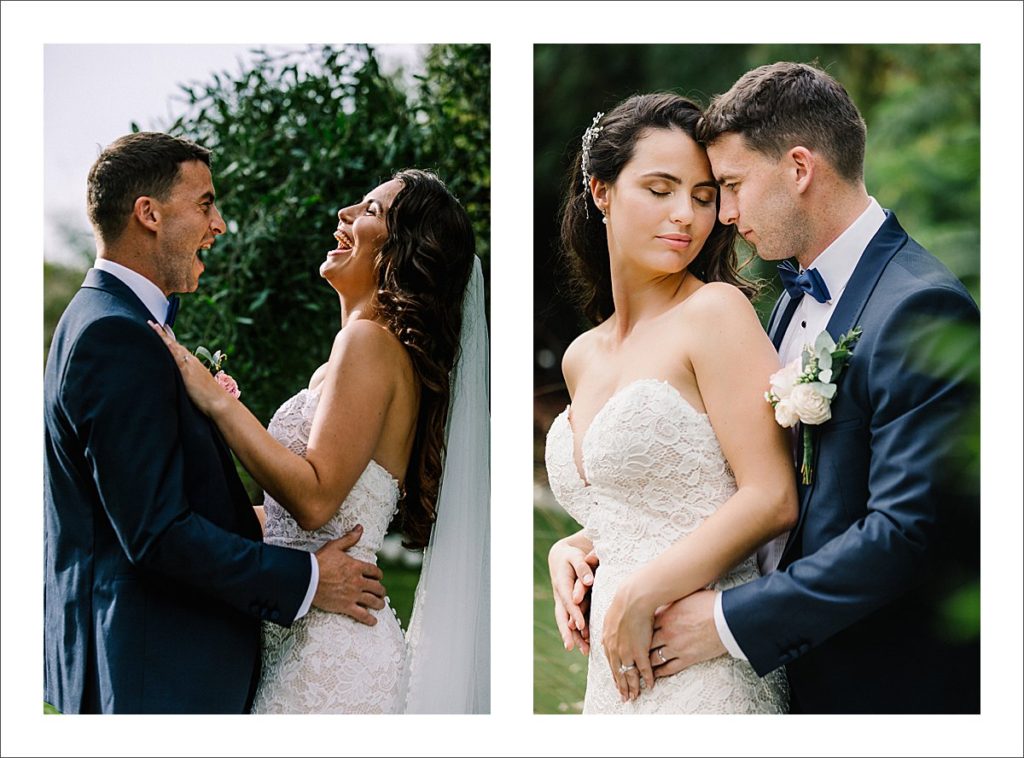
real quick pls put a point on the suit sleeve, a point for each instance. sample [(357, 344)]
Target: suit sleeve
[(121, 393), (919, 395)]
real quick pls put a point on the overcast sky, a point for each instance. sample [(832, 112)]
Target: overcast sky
[(92, 93)]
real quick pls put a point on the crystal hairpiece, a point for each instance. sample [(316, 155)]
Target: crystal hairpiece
[(589, 137)]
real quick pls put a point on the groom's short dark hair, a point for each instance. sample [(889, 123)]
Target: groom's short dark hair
[(138, 164), (782, 105)]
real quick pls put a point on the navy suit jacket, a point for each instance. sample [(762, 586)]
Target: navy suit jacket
[(888, 528), (155, 574)]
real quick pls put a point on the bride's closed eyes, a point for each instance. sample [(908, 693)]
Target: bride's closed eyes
[(701, 198)]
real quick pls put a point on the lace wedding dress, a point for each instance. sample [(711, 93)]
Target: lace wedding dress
[(327, 662), (652, 472)]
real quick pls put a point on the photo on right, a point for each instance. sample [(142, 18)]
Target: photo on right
[(756, 379)]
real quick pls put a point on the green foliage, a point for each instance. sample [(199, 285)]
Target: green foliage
[(295, 137), (60, 283), (559, 677)]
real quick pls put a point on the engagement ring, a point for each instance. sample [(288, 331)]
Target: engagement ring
[(184, 359), (661, 654), (623, 668)]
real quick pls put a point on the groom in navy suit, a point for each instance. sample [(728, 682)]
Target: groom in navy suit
[(156, 579), (854, 603)]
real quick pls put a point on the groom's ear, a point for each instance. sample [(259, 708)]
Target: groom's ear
[(801, 167), (147, 212)]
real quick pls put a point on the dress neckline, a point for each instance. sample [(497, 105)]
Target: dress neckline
[(581, 475)]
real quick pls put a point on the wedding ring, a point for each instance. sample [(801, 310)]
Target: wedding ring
[(661, 654), (623, 668)]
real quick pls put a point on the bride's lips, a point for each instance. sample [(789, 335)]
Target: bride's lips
[(676, 241), (345, 243)]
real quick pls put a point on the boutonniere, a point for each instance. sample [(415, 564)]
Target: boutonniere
[(213, 361), (804, 389)]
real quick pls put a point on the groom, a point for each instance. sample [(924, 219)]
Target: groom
[(856, 608), (156, 579)]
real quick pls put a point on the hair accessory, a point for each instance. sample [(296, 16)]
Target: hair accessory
[(589, 137)]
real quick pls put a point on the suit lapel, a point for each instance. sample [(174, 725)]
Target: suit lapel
[(888, 240), (782, 314)]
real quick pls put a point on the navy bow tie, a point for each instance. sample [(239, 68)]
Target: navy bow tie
[(173, 302), (798, 284)]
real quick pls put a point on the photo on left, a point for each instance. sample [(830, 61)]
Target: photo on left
[(266, 389)]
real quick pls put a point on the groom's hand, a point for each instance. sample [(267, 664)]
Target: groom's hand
[(348, 585), (685, 634)]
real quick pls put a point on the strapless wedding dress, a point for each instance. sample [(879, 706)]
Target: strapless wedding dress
[(327, 662), (653, 470)]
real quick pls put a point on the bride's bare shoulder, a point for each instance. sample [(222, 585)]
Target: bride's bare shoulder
[(579, 353), (717, 300)]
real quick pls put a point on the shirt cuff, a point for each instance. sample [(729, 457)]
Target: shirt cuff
[(723, 631), (314, 580)]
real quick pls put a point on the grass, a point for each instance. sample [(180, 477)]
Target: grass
[(559, 678)]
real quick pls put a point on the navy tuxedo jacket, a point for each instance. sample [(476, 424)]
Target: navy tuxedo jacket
[(155, 574), (887, 529)]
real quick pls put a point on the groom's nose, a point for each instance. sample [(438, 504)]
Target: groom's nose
[(217, 225), (728, 211)]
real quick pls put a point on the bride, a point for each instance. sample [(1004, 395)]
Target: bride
[(395, 423), (668, 455)]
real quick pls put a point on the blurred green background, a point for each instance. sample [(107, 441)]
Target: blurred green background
[(922, 108), (296, 136)]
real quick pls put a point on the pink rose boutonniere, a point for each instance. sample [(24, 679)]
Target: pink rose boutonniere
[(803, 390), (213, 362)]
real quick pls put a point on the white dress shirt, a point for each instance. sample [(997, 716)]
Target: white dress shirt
[(835, 264), (156, 303)]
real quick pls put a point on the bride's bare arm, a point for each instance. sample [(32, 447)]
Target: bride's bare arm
[(732, 359), (355, 396)]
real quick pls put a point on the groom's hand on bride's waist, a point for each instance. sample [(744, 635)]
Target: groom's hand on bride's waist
[(685, 634), (348, 585)]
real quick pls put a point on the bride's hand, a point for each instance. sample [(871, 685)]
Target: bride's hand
[(204, 390), (572, 575), (628, 629)]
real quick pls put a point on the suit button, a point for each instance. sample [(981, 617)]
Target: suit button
[(275, 615)]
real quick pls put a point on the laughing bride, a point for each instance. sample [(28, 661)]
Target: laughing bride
[(394, 423)]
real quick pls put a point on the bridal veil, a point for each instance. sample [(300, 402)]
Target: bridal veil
[(448, 664)]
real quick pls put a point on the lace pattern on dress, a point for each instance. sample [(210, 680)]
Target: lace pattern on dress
[(327, 662), (655, 471)]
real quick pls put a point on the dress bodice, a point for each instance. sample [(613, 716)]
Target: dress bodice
[(372, 502), (653, 470)]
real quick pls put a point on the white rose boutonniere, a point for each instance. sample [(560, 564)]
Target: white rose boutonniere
[(803, 390)]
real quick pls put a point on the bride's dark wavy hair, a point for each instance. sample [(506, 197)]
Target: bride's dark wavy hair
[(584, 238), (423, 269)]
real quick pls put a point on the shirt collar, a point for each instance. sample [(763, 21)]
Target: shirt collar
[(150, 295), (837, 261)]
